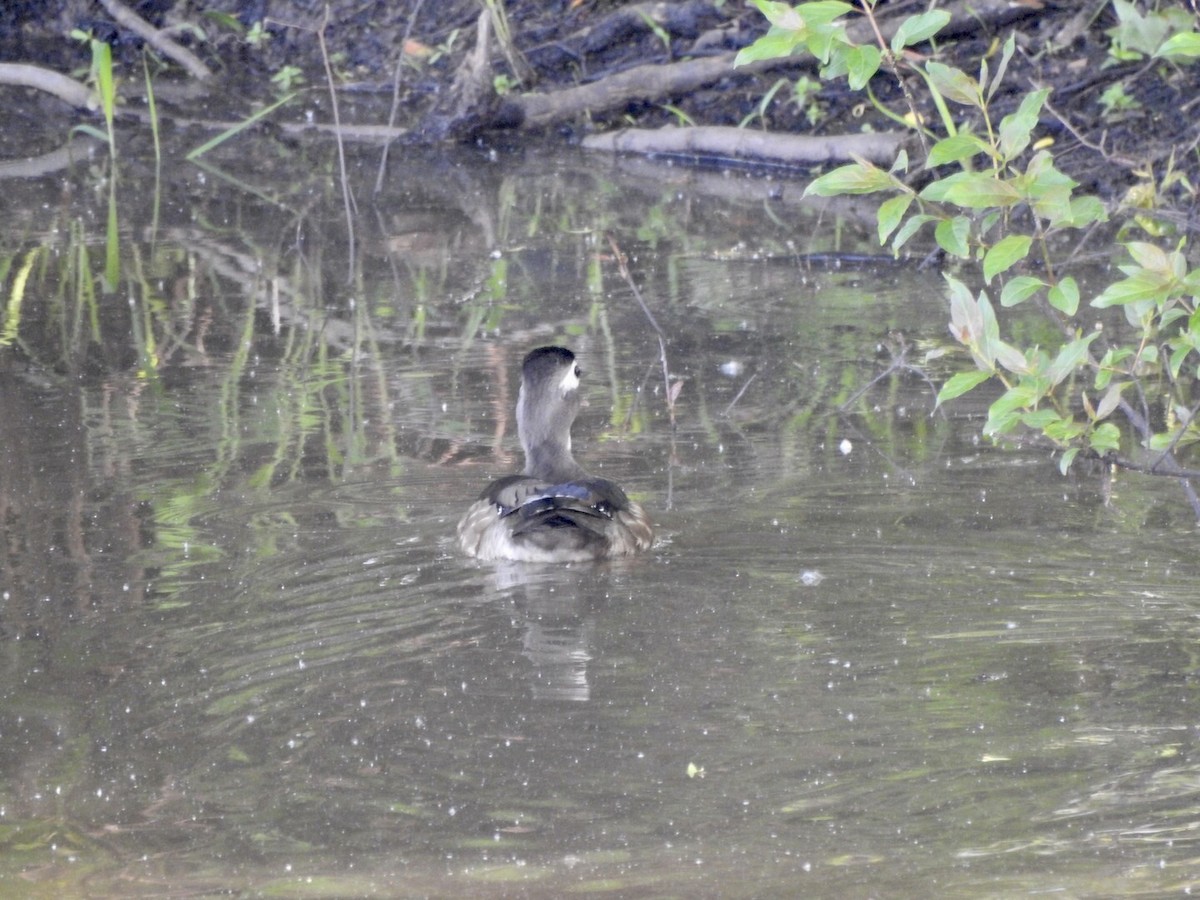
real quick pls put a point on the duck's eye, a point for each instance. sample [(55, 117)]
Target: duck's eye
[(578, 372)]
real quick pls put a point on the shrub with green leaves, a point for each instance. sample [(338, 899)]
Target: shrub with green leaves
[(994, 201)]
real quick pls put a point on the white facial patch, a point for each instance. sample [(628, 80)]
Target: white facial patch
[(570, 379)]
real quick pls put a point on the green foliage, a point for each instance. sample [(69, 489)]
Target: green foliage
[(995, 201), (101, 76), (1115, 100), (287, 78), (760, 111), (257, 35), (503, 83), (1165, 33), (804, 96)]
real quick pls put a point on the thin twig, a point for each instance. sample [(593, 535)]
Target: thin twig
[(1098, 148), (894, 65), (395, 110), (347, 196)]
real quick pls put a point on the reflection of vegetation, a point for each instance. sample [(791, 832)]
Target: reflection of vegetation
[(290, 381), (253, 444)]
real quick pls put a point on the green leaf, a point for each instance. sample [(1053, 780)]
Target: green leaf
[(775, 44), (1137, 33), (966, 324), (1143, 285), (1064, 296), (1042, 419), (1054, 205), (1185, 45), (954, 84), (1010, 357), (1005, 413), (1009, 46), (890, 213), (1108, 365), (1083, 211), (1046, 188), (225, 20), (1148, 256), (856, 178), (989, 332), (196, 152), (1110, 400), (951, 235), (820, 41), (972, 190), (861, 64), (959, 384), (91, 131), (1063, 430), (1190, 284), (1105, 437), (1016, 128), (781, 15), (1020, 289), (1068, 457), (821, 12), (916, 29), (1177, 357), (1004, 254), (957, 147), (1070, 357), (911, 227)]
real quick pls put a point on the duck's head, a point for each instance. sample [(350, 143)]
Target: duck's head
[(547, 406)]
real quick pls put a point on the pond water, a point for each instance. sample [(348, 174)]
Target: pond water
[(869, 656)]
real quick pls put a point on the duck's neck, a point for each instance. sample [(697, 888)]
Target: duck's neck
[(552, 461)]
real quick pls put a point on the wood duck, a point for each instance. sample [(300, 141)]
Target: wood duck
[(554, 511)]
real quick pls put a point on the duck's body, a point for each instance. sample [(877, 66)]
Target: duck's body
[(555, 511)]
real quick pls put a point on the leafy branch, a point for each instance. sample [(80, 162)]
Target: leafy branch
[(994, 198)]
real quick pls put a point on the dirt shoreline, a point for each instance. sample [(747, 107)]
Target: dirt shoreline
[(578, 68)]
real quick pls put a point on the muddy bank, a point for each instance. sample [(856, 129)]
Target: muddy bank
[(430, 72)]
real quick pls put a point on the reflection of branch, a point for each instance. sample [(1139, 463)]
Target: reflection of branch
[(77, 149), (738, 395), (672, 390), (1165, 464), (130, 20), (899, 363)]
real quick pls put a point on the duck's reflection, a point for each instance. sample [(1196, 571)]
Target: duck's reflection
[(558, 644), (555, 609)]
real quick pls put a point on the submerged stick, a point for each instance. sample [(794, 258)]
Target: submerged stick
[(130, 20), (61, 86)]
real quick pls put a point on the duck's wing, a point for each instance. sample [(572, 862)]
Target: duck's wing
[(524, 497)]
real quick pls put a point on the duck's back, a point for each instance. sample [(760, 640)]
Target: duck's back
[(524, 518)]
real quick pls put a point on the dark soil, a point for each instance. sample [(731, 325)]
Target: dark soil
[(563, 43)]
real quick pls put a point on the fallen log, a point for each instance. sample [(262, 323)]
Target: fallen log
[(725, 143)]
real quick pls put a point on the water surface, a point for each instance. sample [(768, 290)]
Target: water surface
[(870, 655)]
